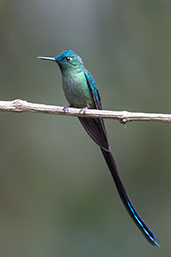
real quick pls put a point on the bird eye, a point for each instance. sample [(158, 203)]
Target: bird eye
[(67, 58)]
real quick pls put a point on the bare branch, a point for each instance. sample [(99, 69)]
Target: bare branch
[(122, 116)]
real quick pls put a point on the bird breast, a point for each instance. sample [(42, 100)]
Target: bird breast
[(77, 91)]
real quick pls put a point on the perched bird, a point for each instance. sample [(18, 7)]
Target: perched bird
[(82, 92)]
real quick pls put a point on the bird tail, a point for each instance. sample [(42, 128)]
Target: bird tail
[(126, 201)]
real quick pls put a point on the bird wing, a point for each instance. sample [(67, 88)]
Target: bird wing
[(95, 127)]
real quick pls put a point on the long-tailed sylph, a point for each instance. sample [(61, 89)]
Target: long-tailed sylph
[(81, 91)]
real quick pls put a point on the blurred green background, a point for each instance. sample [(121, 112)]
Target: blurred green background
[(57, 197)]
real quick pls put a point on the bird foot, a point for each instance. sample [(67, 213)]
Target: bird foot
[(65, 109), (83, 110)]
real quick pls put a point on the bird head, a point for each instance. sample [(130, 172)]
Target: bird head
[(67, 61)]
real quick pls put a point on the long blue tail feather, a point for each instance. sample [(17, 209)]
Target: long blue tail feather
[(126, 201), (96, 130)]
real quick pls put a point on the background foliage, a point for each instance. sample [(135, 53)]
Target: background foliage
[(57, 197)]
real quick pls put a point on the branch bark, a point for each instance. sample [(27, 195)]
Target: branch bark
[(122, 116)]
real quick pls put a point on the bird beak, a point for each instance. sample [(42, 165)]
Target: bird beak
[(47, 58)]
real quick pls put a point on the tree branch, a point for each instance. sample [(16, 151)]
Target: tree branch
[(122, 116)]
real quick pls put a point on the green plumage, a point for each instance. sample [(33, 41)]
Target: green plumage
[(81, 91), (76, 90)]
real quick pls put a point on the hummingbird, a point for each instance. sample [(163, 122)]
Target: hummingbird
[(81, 91)]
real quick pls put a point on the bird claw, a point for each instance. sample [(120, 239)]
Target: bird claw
[(83, 110), (65, 109)]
